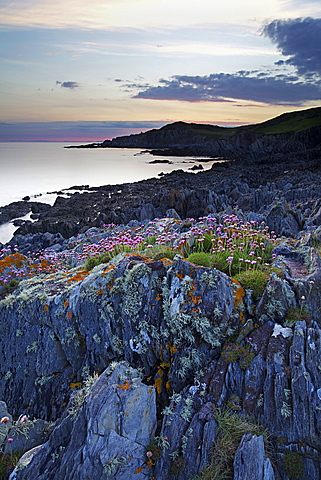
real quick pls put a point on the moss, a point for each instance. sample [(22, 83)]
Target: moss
[(8, 461), (254, 280), (200, 258), (294, 465), (233, 352)]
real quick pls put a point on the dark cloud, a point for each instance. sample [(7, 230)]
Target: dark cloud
[(223, 87), (300, 40), (70, 85)]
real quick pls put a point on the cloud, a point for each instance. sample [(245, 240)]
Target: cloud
[(300, 40), (223, 87), (70, 85)]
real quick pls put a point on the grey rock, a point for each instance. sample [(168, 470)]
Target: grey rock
[(250, 462), (105, 438)]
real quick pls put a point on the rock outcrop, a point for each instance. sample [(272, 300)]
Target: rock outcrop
[(145, 365)]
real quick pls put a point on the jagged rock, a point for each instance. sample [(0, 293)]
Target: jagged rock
[(250, 462), (167, 318), (102, 437), (276, 300)]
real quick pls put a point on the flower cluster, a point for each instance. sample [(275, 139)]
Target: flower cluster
[(232, 245)]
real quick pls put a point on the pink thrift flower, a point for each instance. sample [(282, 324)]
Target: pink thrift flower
[(149, 454)]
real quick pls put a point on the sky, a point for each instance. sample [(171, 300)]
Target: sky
[(87, 71)]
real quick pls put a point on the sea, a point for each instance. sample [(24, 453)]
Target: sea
[(41, 169)]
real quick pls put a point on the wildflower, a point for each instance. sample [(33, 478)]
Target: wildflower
[(10, 440), (303, 297), (24, 418), (149, 454)]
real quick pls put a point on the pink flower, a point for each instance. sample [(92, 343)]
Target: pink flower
[(24, 418), (10, 440), (149, 454)]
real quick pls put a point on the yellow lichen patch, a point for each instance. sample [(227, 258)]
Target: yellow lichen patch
[(239, 293), (172, 348), (168, 385), (73, 385), (139, 470), (46, 308), (124, 386), (158, 385)]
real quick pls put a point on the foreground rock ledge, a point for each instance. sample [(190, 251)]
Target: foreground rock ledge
[(168, 321)]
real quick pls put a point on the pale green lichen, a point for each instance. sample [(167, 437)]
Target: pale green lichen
[(97, 339), (71, 337), (112, 466), (185, 438), (32, 348), (8, 375), (41, 381), (286, 410), (187, 409)]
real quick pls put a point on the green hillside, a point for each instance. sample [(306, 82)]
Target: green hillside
[(286, 123)]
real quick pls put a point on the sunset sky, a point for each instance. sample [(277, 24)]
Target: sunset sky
[(90, 70)]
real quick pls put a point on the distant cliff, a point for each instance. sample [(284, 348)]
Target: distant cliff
[(290, 132)]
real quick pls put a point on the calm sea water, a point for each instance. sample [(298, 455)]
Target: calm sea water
[(38, 168)]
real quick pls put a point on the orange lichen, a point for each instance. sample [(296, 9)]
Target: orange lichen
[(158, 385), (46, 308), (239, 293), (107, 270), (150, 390), (124, 386), (79, 276), (69, 315), (14, 260), (149, 464), (73, 385), (66, 303), (138, 470)]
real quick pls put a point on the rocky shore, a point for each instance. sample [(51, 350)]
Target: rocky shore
[(283, 193), (132, 346)]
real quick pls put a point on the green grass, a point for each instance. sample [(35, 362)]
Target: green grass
[(255, 280), (8, 461), (231, 428), (200, 258)]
